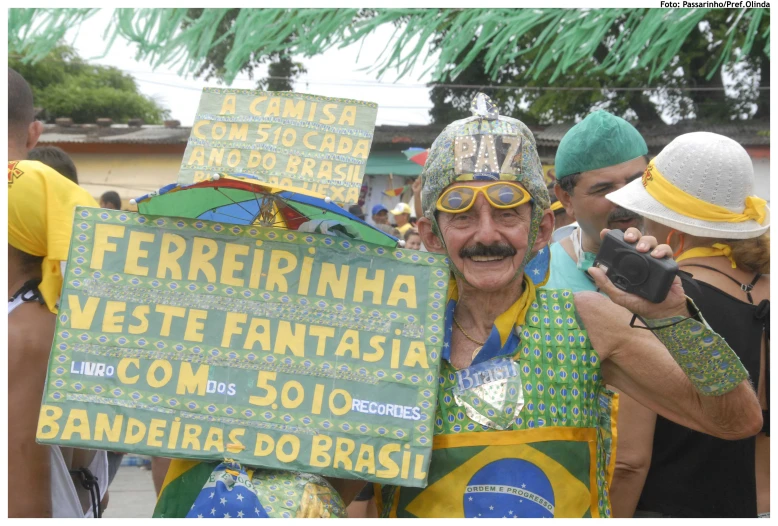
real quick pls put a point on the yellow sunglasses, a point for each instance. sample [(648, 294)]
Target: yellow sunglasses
[(500, 195)]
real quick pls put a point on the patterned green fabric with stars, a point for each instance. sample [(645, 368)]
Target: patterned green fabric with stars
[(559, 369), (711, 365), (562, 385)]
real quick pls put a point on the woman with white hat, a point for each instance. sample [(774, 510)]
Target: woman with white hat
[(698, 195)]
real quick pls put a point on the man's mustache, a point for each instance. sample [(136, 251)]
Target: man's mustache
[(622, 214), (496, 250)]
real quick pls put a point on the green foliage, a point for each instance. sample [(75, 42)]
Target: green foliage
[(281, 72), (565, 38), (551, 96), (588, 52), (281, 69), (63, 85), (35, 32)]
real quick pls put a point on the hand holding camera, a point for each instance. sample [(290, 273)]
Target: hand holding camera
[(639, 274)]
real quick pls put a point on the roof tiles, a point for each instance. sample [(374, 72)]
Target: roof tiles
[(747, 133)]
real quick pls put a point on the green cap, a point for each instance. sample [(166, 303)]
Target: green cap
[(600, 140)]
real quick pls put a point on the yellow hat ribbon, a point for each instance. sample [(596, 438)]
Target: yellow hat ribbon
[(685, 204), (718, 249)]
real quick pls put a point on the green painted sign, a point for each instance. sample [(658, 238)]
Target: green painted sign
[(278, 349), (290, 139)]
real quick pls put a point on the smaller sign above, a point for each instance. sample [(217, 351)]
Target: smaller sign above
[(289, 139)]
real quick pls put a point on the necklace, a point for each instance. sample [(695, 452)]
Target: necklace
[(480, 344)]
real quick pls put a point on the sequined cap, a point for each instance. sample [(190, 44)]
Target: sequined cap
[(485, 147)]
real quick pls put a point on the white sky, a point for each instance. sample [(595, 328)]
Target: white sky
[(335, 73)]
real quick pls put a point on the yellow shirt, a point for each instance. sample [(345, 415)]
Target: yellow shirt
[(403, 229)]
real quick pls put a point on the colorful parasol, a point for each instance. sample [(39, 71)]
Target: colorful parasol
[(417, 155), (241, 201)]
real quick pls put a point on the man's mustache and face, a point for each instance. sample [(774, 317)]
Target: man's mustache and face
[(487, 245), (489, 265), (622, 219), (480, 252)]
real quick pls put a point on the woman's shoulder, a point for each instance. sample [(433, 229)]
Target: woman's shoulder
[(733, 282)]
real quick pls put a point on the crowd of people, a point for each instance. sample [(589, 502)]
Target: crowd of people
[(613, 406), (402, 226)]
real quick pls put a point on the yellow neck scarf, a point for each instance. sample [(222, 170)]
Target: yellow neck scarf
[(40, 219), (687, 205), (718, 249), (516, 313)]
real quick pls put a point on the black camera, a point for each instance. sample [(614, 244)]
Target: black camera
[(635, 272)]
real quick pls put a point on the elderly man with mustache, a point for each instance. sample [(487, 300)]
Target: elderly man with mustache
[(525, 423)]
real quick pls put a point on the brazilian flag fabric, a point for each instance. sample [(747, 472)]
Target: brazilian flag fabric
[(536, 438), (184, 481), (538, 473), (228, 490)]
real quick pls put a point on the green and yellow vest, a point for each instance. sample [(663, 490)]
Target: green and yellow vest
[(553, 458)]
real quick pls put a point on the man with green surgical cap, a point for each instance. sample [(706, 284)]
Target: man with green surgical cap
[(524, 425), (597, 156), (524, 422)]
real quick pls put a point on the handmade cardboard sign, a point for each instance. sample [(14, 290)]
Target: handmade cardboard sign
[(278, 349), (286, 138)]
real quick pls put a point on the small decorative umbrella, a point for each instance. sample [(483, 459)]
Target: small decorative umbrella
[(248, 201), (417, 155)]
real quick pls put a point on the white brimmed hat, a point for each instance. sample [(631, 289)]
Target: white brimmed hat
[(710, 167)]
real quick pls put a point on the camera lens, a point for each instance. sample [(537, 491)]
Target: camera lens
[(634, 268)]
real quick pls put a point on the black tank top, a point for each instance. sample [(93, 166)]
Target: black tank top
[(693, 474)]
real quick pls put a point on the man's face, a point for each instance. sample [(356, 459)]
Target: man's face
[(109, 206), (486, 244), (381, 218), (402, 219), (414, 242), (592, 210)]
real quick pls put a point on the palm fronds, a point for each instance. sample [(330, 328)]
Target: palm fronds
[(566, 39)]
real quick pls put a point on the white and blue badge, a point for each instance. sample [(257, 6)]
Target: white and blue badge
[(490, 392)]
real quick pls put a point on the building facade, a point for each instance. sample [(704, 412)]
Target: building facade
[(134, 160)]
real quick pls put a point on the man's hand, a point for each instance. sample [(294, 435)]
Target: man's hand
[(673, 305), (416, 186)]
